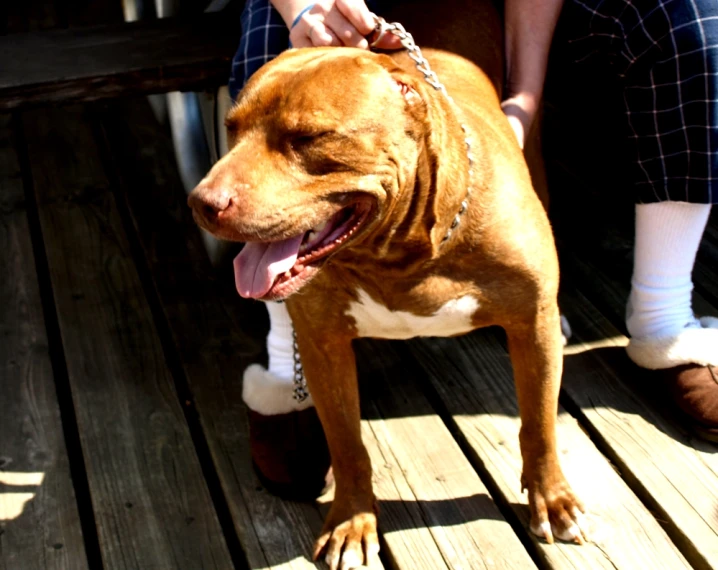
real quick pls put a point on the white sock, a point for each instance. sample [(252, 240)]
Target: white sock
[(271, 391), (280, 342), (667, 238)]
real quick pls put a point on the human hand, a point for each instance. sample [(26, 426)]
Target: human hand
[(520, 110), (332, 23)]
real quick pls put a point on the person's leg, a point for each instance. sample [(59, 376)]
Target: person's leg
[(669, 66), (667, 238), (287, 442)]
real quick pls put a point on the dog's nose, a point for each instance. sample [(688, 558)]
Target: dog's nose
[(209, 203)]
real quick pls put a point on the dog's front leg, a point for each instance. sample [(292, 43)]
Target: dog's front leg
[(536, 356), (349, 536)]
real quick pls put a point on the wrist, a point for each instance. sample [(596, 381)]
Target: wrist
[(291, 10), (301, 13)]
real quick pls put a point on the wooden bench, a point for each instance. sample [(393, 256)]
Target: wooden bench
[(99, 62)]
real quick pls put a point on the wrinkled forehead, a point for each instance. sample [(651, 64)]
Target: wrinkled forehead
[(317, 85)]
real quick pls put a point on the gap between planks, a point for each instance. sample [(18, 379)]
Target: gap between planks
[(148, 494), (40, 522), (675, 473)]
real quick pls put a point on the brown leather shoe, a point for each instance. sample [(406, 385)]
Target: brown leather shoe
[(290, 454), (694, 389)]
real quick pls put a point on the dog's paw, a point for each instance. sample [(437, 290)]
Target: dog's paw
[(349, 541), (556, 512)]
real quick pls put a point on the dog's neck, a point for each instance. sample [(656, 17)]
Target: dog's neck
[(439, 188), (451, 152), (465, 202)]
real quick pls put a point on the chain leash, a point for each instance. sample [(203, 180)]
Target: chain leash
[(301, 392)]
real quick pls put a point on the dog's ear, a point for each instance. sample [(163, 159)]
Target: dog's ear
[(407, 91), (403, 82)]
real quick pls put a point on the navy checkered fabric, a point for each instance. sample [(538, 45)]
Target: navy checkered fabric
[(665, 55), (264, 37)]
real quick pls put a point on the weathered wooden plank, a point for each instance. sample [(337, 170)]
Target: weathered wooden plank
[(86, 64), (435, 510), (472, 377), (215, 343), (677, 473), (150, 499), (39, 521)]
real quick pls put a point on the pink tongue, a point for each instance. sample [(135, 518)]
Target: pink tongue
[(259, 264)]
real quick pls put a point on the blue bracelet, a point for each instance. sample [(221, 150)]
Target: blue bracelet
[(299, 16)]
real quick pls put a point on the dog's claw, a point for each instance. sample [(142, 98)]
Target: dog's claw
[(320, 544), (372, 552), (543, 530), (571, 534), (350, 559), (557, 513), (351, 544)]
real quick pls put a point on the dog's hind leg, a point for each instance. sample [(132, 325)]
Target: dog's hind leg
[(537, 359)]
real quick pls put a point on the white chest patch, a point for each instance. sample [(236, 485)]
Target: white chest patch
[(375, 320)]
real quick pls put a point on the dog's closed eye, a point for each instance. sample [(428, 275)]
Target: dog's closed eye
[(323, 152), (303, 139), (299, 142), (315, 145)]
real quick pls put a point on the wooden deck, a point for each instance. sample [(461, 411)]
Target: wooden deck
[(123, 436)]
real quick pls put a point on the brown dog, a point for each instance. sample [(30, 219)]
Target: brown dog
[(364, 207)]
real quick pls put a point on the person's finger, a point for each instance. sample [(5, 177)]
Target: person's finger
[(344, 30), (300, 38), (320, 35), (300, 31), (388, 42), (357, 13), (310, 31), (382, 38)]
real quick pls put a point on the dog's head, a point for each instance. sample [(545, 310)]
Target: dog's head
[(323, 143)]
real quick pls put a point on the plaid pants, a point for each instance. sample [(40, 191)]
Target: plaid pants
[(664, 53)]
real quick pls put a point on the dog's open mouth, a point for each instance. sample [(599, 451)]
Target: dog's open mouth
[(275, 270)]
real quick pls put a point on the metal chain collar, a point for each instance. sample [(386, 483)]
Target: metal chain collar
[(414, 52), (301, 392)]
